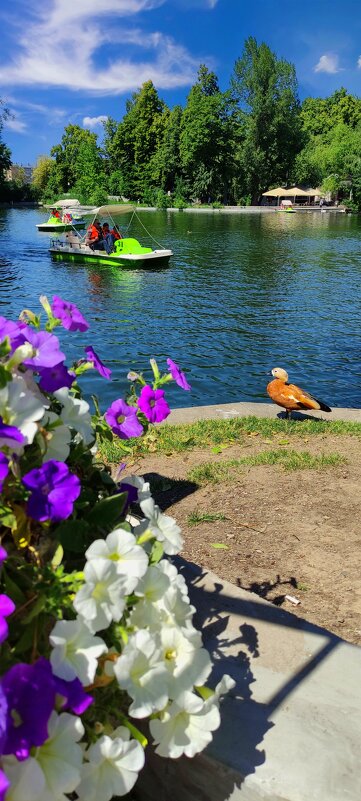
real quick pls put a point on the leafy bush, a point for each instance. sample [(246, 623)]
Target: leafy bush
[(96, 626)]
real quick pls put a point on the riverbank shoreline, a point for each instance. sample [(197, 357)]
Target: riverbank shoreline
[(201, 210), (224, 411)]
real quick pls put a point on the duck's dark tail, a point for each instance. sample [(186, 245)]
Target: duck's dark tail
[(323, 405)]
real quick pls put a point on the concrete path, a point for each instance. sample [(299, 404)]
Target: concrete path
[(291, 728), (222, 411)]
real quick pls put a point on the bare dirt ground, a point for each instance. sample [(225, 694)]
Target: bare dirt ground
[(286, 533)]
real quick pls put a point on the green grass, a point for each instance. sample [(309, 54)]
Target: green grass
[(195, 518), (211, 472), (205, 434)]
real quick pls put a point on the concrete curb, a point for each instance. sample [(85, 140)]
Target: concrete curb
[(223, 411), (291, 728)]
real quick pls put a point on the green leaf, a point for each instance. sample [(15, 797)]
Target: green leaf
[(5, 376), (219, 546), (73, 535), (13, 589), (108, 511), (58, 557), (156, 552), (221, 447), (7, 517), (35, 610), (25, 641)]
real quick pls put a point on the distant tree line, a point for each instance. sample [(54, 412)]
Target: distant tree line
[(221, 148)]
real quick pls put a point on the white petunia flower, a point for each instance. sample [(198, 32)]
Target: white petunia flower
[(188, 664), (27, 780), (100, 600), (113, 766), (224, 686), (57, 439), (140, 670), (153, 585), (162, 603), (20, 408), (34, 388), (174, 576), (177, 610), (121, 549), (75, 651), (142, 487), (185, 726), (164, 528), (54, 770), (75, 413)]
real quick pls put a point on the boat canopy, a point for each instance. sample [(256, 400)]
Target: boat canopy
[(111, 210), (63, 204)]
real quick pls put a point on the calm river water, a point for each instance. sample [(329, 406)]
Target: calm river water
[(243, 294)]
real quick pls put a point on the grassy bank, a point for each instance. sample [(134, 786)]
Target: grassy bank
[(218, 434)]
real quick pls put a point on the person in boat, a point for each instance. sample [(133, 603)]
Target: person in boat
[(94, 237), (55, 213), (116, 233), (108, 238), (67, 217)]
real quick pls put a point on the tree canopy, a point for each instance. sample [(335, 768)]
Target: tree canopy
[(222, 146)]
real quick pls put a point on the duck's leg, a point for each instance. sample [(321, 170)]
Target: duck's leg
[(288, 414)]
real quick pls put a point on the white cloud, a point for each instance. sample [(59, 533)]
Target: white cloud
[(359, 62), (15, 123), (328, 63), (74, 39), (93, 122)]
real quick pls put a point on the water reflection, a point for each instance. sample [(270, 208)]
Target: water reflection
[(243, 293)]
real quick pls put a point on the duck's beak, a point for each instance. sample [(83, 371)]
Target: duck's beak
[(269, 372)]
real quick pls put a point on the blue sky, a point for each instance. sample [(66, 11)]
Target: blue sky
[(77, 61)]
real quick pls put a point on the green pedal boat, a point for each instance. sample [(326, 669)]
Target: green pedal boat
[(121, 252)]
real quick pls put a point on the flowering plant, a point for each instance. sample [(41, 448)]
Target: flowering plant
[(96, 626)]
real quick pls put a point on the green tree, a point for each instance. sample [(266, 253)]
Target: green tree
[(319, 115), (5, 153), (166, 167), (332, 152), (90, 184), (41, 174), (78, 162), (265, 90), (204, 139), (137, 139)]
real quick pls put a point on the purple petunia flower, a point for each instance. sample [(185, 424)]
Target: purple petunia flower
[(4, 785), (46, 349), (30, 695), (3, 554), (53, 378), (123, 420), (97, 363), (69, 314), (53, 491), (12, 330), (10, 436), (7, 607), (30, 692), (4, 469), (4, 782), (74, 695), (153, 404), (178, 375)]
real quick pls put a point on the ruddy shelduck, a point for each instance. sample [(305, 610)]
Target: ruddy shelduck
[(291, 397)]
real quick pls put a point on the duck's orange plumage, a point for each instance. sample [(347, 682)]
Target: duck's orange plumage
[(291, 397)]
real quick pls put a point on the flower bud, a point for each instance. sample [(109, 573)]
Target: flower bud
[(21, 353)]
